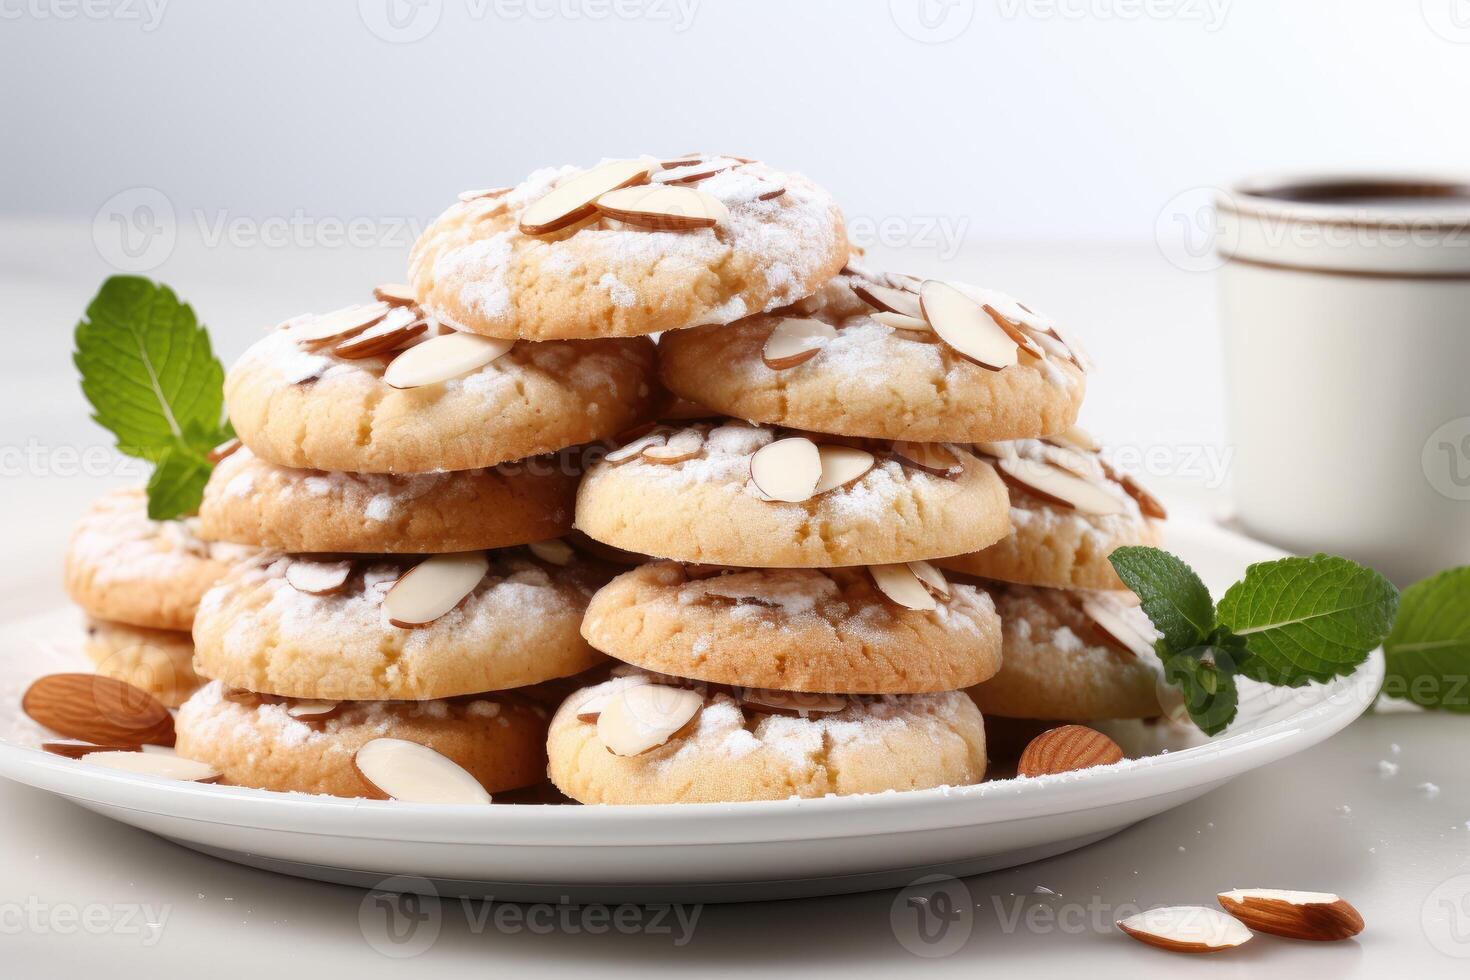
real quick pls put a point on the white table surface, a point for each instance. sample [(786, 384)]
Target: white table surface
[(77, 892)]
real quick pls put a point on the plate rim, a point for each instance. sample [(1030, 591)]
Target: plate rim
[(747, 822)]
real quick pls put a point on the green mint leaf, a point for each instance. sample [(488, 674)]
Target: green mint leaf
[(177, 484), (1206, 676), (1428, 652), (1171, 593), (148, 369), (1308, 618)]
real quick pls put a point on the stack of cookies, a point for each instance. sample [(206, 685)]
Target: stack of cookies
[(797, 639), (139, 582), (405, 483), (831, 517)]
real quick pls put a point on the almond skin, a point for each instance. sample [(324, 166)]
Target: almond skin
[(99, 710), (1262, 911), (1068, 749)]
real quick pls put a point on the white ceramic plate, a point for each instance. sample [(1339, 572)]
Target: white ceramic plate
[(696, 852)]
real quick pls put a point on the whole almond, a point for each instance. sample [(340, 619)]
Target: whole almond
[(99, 710), (1068, 749)]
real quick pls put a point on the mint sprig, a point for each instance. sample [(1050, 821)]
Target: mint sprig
[(153, 381), (1428, 653), (1287, 623)]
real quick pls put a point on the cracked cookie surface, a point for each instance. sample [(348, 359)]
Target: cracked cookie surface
[(820, 630), (519, 626), (498, 738), (315, 410), (474, 269), (253, 502), (731, 754), (1056, 663), (706, 509), (870, 380), (123, 567), (1057, 546)]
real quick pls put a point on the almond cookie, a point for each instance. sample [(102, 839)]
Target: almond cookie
[(1069, 510), (255, 741), (736, 494), (253, 502), (1079, 656), (728, 749), (702, 239), (305, 628), (829, 630), (844, 364), (298, 403), (123, 567), (160, 662)]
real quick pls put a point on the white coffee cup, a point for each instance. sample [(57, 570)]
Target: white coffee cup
[(1346, 315)]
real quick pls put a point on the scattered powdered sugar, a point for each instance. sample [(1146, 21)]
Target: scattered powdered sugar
[(789, 233), (620, 292), (379, 508), (792, 592), (117, 541), (481, 268), (210, 718)]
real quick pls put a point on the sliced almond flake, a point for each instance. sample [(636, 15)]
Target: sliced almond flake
[(635, 448), (792, 703), (443, 359), (692, 172), (663, 208), (395, 294), (572, 199), (305, 709), (1058, 486), (318, 577), (897, 321), (589, 709), (966, 328), (772, 194), (641, 718), (889, 300), (396, 329), (683, 445), (223, 451), (554, 551), (900, 584), (434, 587), (933, 458), (842, 466), (931, 576), (412, 773), (796, 340), (340, 324), (787, 470), (1110, 616)]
